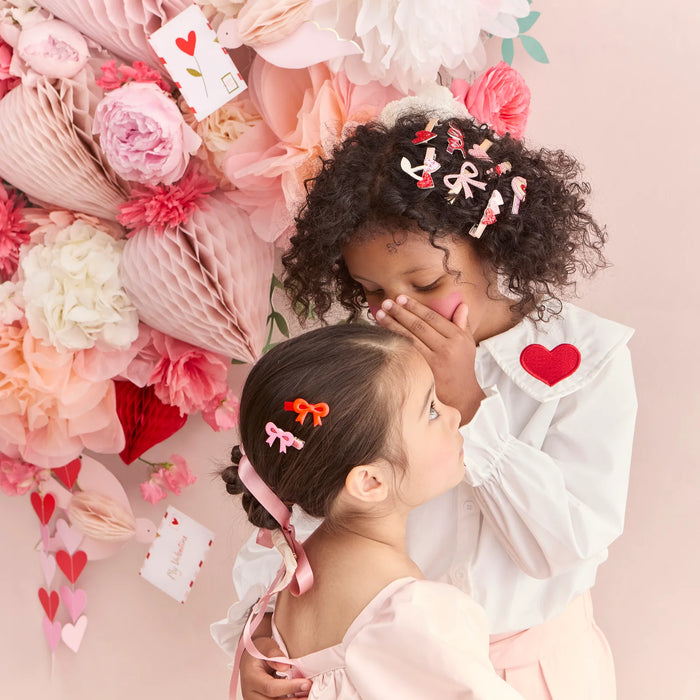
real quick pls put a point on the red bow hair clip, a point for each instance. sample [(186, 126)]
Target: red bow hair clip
[(302, 407)]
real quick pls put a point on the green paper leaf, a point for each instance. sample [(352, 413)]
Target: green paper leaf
[(269, 347), (507, 51), (234, 361), (281, 323), (534, 48), (525, 23), (276, 282), (194, 72)]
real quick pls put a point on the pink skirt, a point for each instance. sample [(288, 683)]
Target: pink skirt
[(566, 658)]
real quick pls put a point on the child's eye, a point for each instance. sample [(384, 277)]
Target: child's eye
[(428, 287), (433, 411)]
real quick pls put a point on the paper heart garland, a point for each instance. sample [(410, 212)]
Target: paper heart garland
[(48, 566), (550, 366), (68, 473), (72, 635), (52, 632), (146, 420), (71, 565), (74, 601), (49, 601), (214, 270), (43, 506), (69, 536)]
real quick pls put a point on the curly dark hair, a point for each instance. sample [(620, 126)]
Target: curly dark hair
[(536, 252)]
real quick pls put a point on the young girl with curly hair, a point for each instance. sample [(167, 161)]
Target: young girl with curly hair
[(466, 243), (344, 423)]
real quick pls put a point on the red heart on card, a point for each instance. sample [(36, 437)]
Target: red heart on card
[(187, 45), (71, 565), (174, 521), (146, 420), (68, 473), (49, 601), (423, 136), (550, 366), (43, 507)]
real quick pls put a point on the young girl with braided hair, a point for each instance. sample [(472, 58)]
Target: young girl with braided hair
[(466, 244), (344, 423)]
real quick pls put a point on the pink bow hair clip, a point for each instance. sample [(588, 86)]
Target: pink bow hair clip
[(286, 439), (461, 181)]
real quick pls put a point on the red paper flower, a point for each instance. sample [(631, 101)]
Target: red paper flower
[(138, 72), (499, 97), (163, 206), (13, 232)]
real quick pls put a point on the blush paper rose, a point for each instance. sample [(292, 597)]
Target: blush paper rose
[(143, 135), (499, 98)]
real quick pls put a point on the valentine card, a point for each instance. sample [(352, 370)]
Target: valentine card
[(198, 64), (177, 554)]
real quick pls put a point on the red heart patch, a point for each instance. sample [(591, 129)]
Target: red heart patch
[(49, 601), (71, 566), (43, 507), (423, 136), (68, 473), (187, 45), (550, 366), (145, 418)]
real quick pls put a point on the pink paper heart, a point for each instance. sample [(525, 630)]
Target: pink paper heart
[(45, 539), (70, 537), (52, 632), (48, 566), (74, 601), (72, 635)]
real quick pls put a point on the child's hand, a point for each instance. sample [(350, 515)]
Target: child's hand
[(448, 346), (257, 676)]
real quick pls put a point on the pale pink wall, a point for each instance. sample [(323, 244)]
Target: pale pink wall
[(621, 94)]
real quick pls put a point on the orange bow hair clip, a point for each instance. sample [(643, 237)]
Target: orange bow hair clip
[(302, 407)]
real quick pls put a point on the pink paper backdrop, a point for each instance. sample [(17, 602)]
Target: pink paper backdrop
[(620, 93)]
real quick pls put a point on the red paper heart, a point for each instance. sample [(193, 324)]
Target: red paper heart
[(423, 136), (550, 366), (426, 182), (49, 601), (187, 45), (71, 565), (68, 473), (43, 507), (146, 420)]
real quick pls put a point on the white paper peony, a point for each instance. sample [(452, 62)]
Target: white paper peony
[(72, 292)]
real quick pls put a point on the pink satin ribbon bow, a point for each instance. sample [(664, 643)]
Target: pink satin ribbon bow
[(461, 181), (302, 407), (286, 439)]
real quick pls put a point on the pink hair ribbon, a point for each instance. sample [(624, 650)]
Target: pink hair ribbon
[(461, 181), (303, 408), (286, 439), (295, 573)]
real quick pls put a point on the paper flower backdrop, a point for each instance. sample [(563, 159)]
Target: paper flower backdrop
[(138, 240)]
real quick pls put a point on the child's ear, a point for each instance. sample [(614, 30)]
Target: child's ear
[(368, 482)]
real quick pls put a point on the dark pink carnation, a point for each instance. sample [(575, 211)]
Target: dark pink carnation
[(17, 476), (13, 232), (138, 72), (7, 81), (163, 206), (499, 97)]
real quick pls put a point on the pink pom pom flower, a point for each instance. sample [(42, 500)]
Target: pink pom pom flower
[(138, 72), (13, 232)]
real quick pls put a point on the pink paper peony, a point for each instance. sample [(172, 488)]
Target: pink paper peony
[(499, 98), (143, 135), (186, 376), (53, 49), (161, 206), (49, 412), (222, 412), (138, 72), (18, 476), (13, 232)]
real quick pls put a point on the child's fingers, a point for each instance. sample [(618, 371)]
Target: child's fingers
[(421, 323), (279, 688), (388, 322)]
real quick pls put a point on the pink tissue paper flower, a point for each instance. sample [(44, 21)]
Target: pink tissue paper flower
[(7, 80), (174, 475), (53, 48), (162, 206), (222, 412), (13, 232), (18, 476), (499, 98), (143, 135), (151, 492), (138, 72), (187, 376)]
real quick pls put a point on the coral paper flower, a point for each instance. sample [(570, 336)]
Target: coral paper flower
[(176, 474), (13, 232), (138, 72), (17, 476), (499, 98), (162, 206), (143, 135), (151, 492), (72, 291), (222, 412), (49, 412)]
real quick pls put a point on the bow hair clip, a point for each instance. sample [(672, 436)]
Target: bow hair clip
[(303, 408), (461, 181), (286, 439), (489, 216)]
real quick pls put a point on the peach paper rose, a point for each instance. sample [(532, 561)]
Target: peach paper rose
[(499, 98), (143, 135)]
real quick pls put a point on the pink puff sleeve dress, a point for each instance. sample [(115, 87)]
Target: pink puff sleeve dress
[(416, 640)]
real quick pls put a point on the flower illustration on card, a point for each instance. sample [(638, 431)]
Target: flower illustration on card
[(188, 46)]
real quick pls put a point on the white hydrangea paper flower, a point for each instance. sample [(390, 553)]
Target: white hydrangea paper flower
[(72, 292)]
